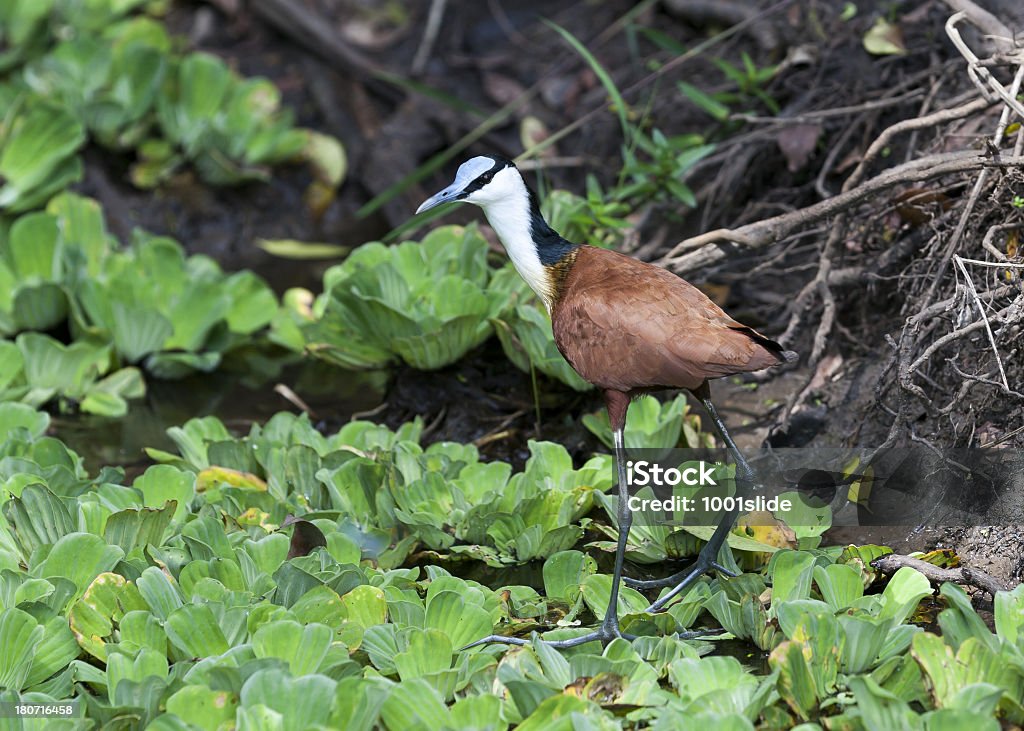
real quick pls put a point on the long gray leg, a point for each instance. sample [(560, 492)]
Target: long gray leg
[(609, 628), (611, 617), (707, 559)]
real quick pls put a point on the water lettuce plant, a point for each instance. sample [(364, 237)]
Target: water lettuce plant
[(651, 424), (395, 497), (188, 597), (146, 306), (424, 303), (178, 597), (229, 128), (38, 142), (36, 369), (94, 68)]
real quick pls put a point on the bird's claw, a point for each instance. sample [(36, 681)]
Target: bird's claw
[(675, 578), (607, 632), (684, 578), (595, 636)]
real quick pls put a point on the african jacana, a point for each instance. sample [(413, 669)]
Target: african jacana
[(627, 327)]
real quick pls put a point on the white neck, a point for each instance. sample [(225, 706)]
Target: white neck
[(509, 216)]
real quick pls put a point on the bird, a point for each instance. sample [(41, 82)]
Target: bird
[(626, 326)]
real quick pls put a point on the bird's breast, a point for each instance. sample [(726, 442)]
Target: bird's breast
[(557, 275)]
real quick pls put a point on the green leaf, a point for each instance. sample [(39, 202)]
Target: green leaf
[(193, 628), (959, 621), (839, 584), (865, 637), (122, 667), (138, 528), (160, 592), (303, 648), (461, 621), (138, 330), (303, 702), (1009, 612), (291, 249), (365, 606), (38, 143), (881, 709), (160, 484), (597, 590), (54, 651), (414, 703), (104, 404), (80, 557), (38, 517), (18, 416), (429, 651), (203, 707), (34, 248), (50, 364), (704, 102), (791, 576), (19, 636), (905, 590), (564, 574)]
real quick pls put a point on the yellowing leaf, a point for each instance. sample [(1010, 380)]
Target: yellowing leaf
[(292, 249), (765, 528), (255, 516), (214, 476), (884, 39)]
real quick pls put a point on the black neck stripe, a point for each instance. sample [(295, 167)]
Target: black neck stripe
[(551, 247)]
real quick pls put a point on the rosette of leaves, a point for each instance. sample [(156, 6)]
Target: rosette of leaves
[(23, 30), (36, 369), (38, 142), (172, 313), (145, 305), (125, 82), (109, 81), (32, 293), (452, 502), (651, 424), (425, 303), (230, 128)]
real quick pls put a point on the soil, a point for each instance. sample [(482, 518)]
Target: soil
[(486, 55)]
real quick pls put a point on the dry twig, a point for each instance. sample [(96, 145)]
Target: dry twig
[(714, 246), (890, 563)]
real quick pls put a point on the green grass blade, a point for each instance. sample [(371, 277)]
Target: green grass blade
[(602, 75)]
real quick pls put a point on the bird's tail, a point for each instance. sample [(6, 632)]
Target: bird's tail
[(781, 355)]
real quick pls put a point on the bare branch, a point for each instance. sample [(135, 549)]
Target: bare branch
[(714, 246), (890, 563)]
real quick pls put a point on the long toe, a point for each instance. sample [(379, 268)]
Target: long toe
[(604, 634), (656, 583), (685, 578)]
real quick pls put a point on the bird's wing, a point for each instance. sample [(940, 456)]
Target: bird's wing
[(625, 324)]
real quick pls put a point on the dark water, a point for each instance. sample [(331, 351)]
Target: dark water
[(333, 395)]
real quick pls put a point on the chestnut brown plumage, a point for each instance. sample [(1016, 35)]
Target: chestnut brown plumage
[(627, 327)]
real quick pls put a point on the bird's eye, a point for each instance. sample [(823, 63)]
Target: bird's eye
[(486, 177)]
